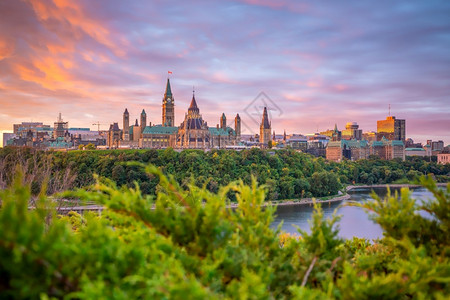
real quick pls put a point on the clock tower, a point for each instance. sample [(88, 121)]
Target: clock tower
[(168, 107)]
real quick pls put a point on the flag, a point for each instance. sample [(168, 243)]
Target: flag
[(170, 72)]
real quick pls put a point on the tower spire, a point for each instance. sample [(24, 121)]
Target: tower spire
[(168, 92), (168, 106), (265, 119)]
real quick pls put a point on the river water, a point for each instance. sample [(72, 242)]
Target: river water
[(354, 221)]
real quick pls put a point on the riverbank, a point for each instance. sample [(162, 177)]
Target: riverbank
[(304, 201), (336, 198), (389, 185)]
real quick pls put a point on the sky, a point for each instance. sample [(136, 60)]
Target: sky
[(317, 62)]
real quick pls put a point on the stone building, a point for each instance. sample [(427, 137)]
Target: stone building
[(265, 130), (193, 132), (168, 107), (387, 149), (114, 136)]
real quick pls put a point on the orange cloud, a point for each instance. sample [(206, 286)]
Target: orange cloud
[(73, 13)]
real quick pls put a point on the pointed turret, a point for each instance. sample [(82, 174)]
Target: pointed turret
[(168, 107), (137, 123), (126, 125), (193, 108), (168, 92), (335, 128), (237, 127), (143, 120), (265, 121), (265, 129), (284, 135), (223, 121)]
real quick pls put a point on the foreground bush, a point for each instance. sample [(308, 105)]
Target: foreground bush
[(192, 246)]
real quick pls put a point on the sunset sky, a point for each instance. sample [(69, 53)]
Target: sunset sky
[(320, 62)]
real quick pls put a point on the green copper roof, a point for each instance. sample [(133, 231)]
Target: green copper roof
[(414, 149), (159, 130), (348, 143), (397, 143), (377, 144), (168, 92), (217, 131)]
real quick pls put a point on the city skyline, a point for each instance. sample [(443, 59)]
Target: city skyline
[(91, 60)]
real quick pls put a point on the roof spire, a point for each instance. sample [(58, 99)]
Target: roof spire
[(193, 107), (168, 92), (265, 120)]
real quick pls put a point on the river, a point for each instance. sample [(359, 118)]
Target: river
[(354, 221)]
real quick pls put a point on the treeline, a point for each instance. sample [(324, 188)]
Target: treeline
[(287, 174)]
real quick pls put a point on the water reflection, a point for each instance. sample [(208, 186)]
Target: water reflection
[(354, 221)]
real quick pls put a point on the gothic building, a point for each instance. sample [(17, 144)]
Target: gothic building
[(193, 132), (126, 126), (265, 129), (168, 107), (237, 127)]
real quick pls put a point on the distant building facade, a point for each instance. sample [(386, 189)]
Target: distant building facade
[(415, 152), (391, 129), (347, 149), (443, 158), (351, 132)]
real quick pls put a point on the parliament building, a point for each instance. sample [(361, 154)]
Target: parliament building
[(193, 132)]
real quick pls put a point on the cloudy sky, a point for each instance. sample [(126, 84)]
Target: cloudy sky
[(318, 62)]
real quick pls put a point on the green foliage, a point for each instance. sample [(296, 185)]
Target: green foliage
[(187, 243), (324, 184), (287, 173)]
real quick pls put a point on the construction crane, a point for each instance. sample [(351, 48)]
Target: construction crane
[(98, 125)]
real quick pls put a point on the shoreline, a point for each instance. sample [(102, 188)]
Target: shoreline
[(336, 198), (304, 201), (388, 185)]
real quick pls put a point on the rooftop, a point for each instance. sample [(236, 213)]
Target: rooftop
[(158, 129)]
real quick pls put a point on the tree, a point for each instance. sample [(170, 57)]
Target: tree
[(90, 146)]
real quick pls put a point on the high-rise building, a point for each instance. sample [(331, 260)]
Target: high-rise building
[(437, 145), (265, 129), (126, 125), (351, 132), (370, 136), (168, 107), (392, 129)]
